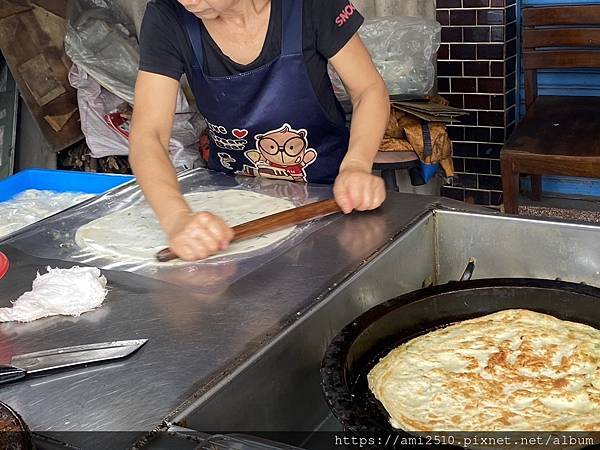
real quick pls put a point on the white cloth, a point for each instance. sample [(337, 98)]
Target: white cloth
[(66, 292)]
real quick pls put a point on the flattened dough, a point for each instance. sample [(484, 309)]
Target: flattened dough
[(134, 235), (33, 205)]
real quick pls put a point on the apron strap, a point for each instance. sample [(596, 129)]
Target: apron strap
[(427, 146), (291, 27), (192, 26)]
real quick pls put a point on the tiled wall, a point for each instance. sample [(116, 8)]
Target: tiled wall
[(477, 71)]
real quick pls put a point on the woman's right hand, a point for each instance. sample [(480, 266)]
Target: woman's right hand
[(195, 236)]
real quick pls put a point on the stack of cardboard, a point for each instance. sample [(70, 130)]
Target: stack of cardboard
[(430, 110), (405, 132), (32, 41)]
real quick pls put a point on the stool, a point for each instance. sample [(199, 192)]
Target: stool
[(389, 162)]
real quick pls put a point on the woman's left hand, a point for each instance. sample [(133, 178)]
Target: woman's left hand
[(358, 189)]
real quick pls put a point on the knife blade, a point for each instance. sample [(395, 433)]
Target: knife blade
[(59, 358)]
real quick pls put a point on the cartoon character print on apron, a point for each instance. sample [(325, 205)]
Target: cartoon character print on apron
[(268, 121)]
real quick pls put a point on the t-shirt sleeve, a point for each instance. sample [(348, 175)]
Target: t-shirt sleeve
[(334, 23), (160, 50)]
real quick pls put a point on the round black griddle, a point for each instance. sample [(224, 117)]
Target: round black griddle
[(14, 433), (360, 345)]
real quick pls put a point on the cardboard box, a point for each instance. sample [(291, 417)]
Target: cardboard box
[(32, 42)]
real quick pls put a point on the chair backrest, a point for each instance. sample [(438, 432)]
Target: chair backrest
[(559, 37)]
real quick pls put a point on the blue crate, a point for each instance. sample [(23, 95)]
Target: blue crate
[(59, 181)]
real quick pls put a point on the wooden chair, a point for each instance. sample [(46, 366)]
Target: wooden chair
[(559, 135), (389, 162)]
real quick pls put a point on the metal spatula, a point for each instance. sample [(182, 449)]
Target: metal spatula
[(60, 358)]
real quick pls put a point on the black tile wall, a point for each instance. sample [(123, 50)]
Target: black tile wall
[(476, 3), (511, 64), (495, 198), (443, 84), (469, 119), (511, 14), (477, 134), (455, 193), (477, 72), (443, 16), (476, 68), (510, 97), (490, 182), (497, 102), (497, 135), (490, 85), (459, 164), (511, 48), (472, 101), (497, 69), (463, 16), (495, 167), (465, 180), (463, 85), (511, 31), (477, 165), (476, 34), (492, 119), (443, 52), (511, 82), (489, 150), (466, 149), (462, 51), (449, 68), (509, 130), (494, 52), (456, 100), (451, 34), (448, 4), (489, 17), (510, 115), (477, 197), (497, 34)]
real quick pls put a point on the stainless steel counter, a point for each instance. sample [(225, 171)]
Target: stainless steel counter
[(196, 341)]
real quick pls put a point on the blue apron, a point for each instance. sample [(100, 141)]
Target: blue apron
[(268, 121)]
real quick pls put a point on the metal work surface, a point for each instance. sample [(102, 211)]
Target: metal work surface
[(194, 340), (281, 385), (288, 396), (517, 247)]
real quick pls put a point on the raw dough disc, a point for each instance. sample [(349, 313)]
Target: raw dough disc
[(134, 235), (32, 205)]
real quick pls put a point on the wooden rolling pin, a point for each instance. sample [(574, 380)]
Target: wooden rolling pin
[(272, 223)]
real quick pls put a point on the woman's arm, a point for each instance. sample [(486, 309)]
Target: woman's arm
[(152, 122), (191, 236), (356, 187)]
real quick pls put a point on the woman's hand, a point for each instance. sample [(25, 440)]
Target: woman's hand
[(358, 189), (195, 236)]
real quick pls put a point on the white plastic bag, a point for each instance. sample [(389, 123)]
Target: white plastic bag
[(106, 131), (100, 44), (403, 49)]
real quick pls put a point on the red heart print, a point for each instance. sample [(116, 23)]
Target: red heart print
[(240, 134)]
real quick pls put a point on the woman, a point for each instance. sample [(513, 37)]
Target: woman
[(258, 70)]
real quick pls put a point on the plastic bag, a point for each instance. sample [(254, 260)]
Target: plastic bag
[(56, 237), (403, 50), (99, 43), (105, 121), (33, 205)]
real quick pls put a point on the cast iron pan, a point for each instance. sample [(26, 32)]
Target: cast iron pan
[(14, 433), (360, 345)]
